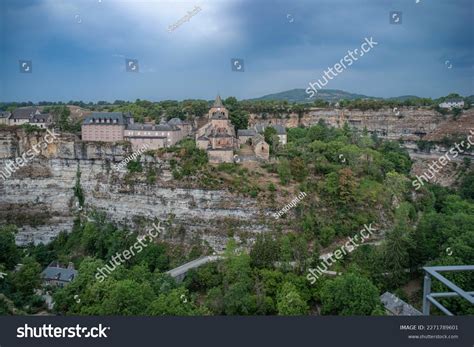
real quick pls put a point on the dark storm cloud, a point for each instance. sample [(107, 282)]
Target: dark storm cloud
[(285, 45)]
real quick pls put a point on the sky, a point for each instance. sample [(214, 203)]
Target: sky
[(78, 48)]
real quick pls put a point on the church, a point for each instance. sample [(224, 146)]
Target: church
[(217, 137)]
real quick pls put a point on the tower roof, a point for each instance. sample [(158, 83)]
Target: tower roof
[(218, 102)]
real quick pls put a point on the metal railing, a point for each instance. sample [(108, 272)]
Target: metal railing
[(430, 298)]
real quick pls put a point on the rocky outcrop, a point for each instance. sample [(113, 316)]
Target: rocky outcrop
[(408, 123), (39, 197)]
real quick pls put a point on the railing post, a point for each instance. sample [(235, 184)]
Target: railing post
[(426, 292)]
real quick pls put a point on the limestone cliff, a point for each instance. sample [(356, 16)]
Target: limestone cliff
[(39, 197)]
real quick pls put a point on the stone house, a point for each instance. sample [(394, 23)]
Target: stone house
[(452, 103), (56, 275), (154, 136), (280, 131), (4, 117), (245, 135), (260, 147), (23, 115), (397, 307), (43, 120), (217, 137), (105, 126)]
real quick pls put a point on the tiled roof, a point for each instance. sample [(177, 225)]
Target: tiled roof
[(454, 100), (24, 113), (4, 114), (280, 130), (151, 127), (40, 118), (175, 121), (106, 118), (397, 306), (57, 273), (246, 132), (218, 102), (257, 139)]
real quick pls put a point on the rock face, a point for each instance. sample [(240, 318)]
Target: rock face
[(409, 123), (39, 197)]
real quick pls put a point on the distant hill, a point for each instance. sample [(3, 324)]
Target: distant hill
[(334, 95), (300, 96), (404, 98)]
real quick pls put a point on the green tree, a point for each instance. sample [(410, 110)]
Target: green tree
[(8, 252), (126, 298), (264, 252), (284, 171), (27, 278), (349, 295), (290, 302), (175, 303)]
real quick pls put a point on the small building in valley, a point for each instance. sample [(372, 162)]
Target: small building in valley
[(56, 275), (397, 307)]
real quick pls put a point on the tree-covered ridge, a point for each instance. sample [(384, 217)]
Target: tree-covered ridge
[(350, 179), (239, 111)]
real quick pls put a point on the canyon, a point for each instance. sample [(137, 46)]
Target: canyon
[(39, 198)]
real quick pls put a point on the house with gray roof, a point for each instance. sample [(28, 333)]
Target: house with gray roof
[(245, 135), (4, 117), (397, 307), (105, 126), (43, 120), (280, 131), (31, 115), (22, 115), (452, 103), (59, 276)]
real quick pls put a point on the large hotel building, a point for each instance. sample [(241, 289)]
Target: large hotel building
[(118, 126)]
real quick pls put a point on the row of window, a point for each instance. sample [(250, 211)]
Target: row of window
[(138, 133)]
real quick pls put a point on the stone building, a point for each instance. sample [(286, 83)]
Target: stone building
[(154, 136), (4, 116), (30, 115), (105, 126), (452, 103), (280, 131), (260, 147), (118, 126), (217, 137), (23, 115), (43, 121), (57, 275), (245, 135), (397, 307)]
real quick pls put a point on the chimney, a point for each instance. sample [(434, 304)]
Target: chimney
[(70, 266)]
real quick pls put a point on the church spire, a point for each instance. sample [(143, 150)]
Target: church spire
[(218, 102)]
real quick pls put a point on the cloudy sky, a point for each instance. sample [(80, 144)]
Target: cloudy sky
[(78, 48)]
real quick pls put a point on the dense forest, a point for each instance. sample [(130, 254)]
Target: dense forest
[(350, 178)]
